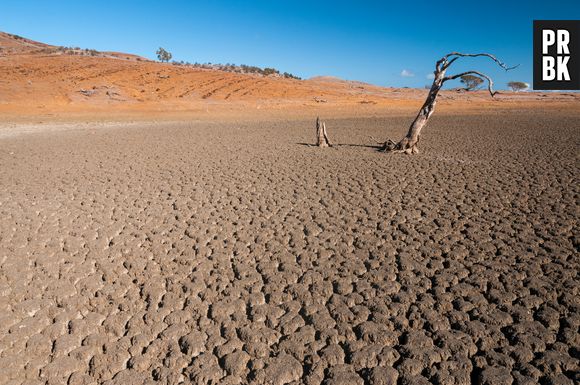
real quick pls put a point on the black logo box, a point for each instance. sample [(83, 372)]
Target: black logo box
[(573, 27)]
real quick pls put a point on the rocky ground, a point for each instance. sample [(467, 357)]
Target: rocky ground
[(235, 253)]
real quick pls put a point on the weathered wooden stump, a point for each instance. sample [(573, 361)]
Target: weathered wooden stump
[(321, 134)]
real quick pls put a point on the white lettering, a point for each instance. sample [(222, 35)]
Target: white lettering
[(563, 40), (548, 39), (563, 68), (548, 71)]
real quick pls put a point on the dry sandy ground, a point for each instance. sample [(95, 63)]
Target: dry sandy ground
[(233, 253)]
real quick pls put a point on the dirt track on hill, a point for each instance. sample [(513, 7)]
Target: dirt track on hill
[(236, 253)]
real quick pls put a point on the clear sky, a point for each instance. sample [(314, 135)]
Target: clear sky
[(381, 42)]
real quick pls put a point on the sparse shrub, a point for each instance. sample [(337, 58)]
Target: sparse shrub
[(91, 52), (518, 86), (269, 71), (471, 82), (288, 75), (242, 68)]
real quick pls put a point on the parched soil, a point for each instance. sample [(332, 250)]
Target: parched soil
[(219, 253)]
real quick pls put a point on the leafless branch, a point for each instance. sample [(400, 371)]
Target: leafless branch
[(447, 61)]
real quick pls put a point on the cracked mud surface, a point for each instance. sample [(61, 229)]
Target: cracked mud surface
[(233, 254)]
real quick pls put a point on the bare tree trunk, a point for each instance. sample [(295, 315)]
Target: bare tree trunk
[(321, 134), (408, 144)]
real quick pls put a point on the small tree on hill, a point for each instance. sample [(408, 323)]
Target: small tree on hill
[(163, 55), (518, 86), (471, 82)]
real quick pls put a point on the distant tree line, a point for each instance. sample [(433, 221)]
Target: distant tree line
[(17, 37), (61, 49), (165, 56), (241, 69), (78, 51)]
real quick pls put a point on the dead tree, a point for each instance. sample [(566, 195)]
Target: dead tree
[(408, 144), (321, 135)]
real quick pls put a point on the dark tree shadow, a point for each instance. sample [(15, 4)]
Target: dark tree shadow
[(375, 146)]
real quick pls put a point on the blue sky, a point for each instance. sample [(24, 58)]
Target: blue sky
[(372, 41)]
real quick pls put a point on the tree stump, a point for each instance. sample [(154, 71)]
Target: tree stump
[(321, 134)]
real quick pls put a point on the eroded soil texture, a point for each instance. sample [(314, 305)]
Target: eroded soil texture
[(235, 253)]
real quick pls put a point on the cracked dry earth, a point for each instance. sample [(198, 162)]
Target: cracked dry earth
[(234, 254)]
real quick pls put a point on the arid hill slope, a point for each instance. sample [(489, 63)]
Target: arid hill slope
[(39, 79), (35, 74)]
